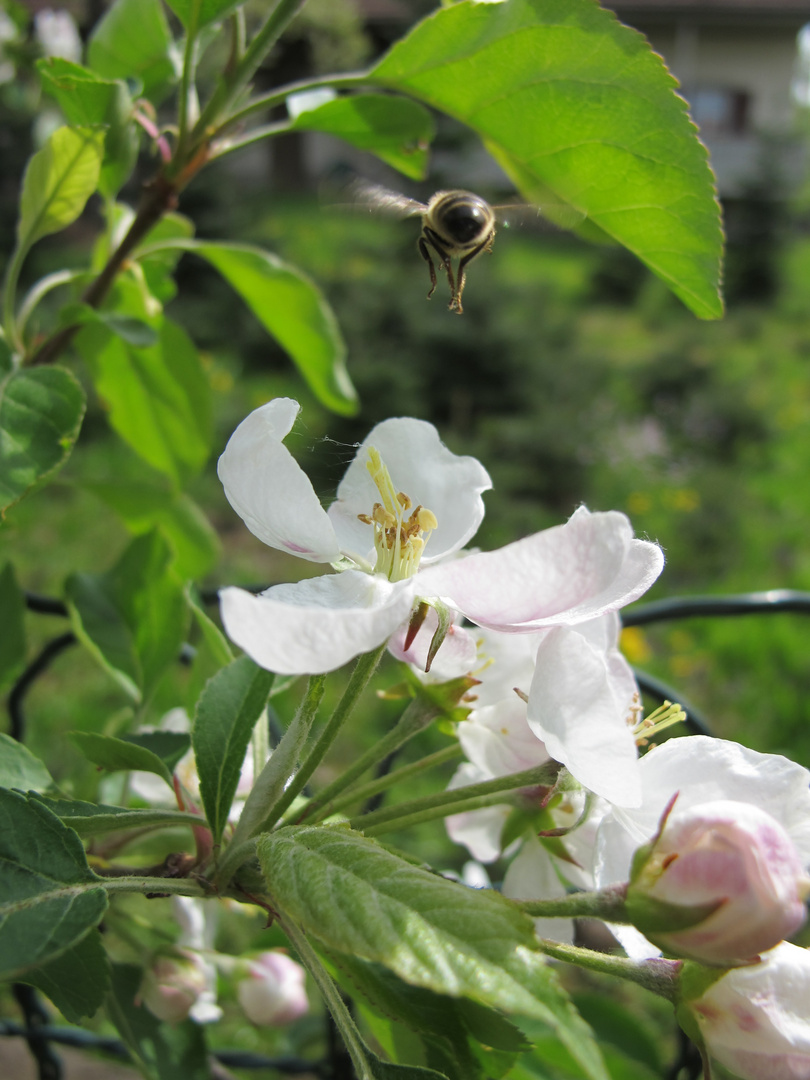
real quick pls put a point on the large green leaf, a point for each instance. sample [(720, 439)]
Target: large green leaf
[(12, 639), (195, 14), (133, 41), (41, 411), (144, 506), (395, 129), (20, 769), (159, 398), (578, 107), (58, 181), (49, 897), (165, 1051), (212, 650), (77, 981), (293, 310), (359, 899), (227, 711), (86, 99), (133, 618)]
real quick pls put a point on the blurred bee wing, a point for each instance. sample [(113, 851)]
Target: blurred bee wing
[(547, 202), (362, 194)]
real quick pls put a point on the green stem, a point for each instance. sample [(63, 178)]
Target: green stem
[(276, 97), (186, 83), (229, 88), (417, 716), (607, 904), (363, 670), (42, 288), (9, 295), (181, 886), (382, 783), (235, 855), (469, 797), (266, 131), (340, 1014), (656, 975)]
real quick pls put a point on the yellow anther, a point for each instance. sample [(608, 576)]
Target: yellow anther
[(427, 519)]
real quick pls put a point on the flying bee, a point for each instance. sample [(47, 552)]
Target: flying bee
[(455, 225)]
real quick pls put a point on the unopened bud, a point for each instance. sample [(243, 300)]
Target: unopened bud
[(273, 993), (173, 985), (755, 1020), (734, 868)]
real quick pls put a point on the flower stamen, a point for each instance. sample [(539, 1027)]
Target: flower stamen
[(398, 540), (665, 716)]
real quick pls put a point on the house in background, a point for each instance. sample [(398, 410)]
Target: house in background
[(738, 64)]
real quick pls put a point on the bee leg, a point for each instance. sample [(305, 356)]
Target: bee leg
[(431, 238), (462, 271), (423, 251)]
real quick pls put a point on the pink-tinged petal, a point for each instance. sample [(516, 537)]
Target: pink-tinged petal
[(559, 577), (427, 472), (457, 654), (269, 490), (316, 625), (579, 705), (531, 876)]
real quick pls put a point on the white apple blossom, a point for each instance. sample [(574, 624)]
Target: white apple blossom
[(404, 507), (756, 1020)]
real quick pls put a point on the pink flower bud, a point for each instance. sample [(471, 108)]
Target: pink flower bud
[(756, 1020), (173, 985), (728, 854), (273, 993)]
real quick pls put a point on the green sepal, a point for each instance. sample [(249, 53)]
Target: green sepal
[(653, 917)]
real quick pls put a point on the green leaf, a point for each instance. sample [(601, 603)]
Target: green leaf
[(169, 746), (12, 640), (144, 506), (199, 13), (159, 398), (49, 897), (293, 310), (395, 129), (86, 99), (77, 981), (579, 106), (58, 181), (231, 703), (212, 651), (41, 413), (116, 755), (158, 267), (132, 618), (133, 331), (133, 41), (358, 899), (20, 769), (92, 819), (166, 1051)]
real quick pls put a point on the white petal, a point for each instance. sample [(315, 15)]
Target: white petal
[(269, 490), (478, 830), (561, 576), (457, 654), (531, 876), (316, 625), (424, 469), (506, 661), (498, 739), (578, 705)]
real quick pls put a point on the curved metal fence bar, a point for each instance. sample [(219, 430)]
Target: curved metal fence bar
[(40, 663), (771, 602), (87, 1040)]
